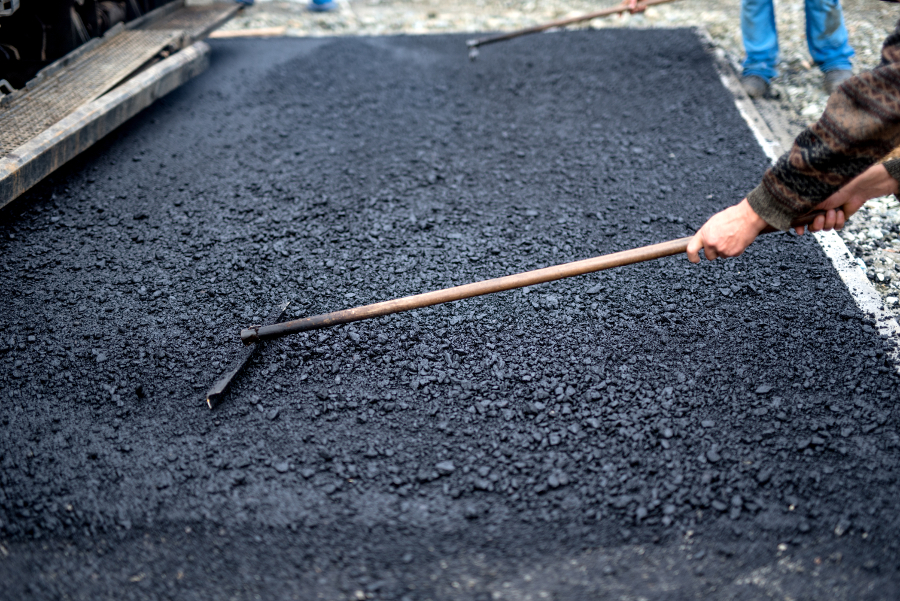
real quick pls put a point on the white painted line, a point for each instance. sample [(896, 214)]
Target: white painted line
[(861, 289), (867, 298)]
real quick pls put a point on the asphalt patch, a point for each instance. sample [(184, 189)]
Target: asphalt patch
[(728, 428)]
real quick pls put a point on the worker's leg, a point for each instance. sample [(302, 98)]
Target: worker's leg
[(826, 35), (760, 38)]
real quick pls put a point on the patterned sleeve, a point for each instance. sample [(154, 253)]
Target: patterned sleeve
[(860, 126)]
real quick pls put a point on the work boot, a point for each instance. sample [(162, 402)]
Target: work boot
[(322, 6), (755, 86), (834, 79)]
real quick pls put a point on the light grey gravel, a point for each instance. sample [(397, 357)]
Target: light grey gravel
[(797, 94)]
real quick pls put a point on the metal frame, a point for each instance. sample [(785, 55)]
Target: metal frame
[(8, 7), (65, 140)]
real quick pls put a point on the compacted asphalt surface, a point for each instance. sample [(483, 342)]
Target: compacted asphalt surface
[(661, 431)]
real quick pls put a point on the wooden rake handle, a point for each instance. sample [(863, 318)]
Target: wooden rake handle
[(519, 280)]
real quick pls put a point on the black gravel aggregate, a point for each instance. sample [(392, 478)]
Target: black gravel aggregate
[(661, 431)]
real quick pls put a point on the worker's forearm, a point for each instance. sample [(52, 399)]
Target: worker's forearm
[(766, 206)]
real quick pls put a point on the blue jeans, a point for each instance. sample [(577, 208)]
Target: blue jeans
[(826, 36)]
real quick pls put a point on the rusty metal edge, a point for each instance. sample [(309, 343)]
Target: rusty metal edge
[(39, 157)]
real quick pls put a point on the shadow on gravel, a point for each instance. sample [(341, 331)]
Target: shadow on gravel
[(661, 431)]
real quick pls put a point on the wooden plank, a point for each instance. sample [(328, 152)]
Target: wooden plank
[(259, 32), (34, 160)]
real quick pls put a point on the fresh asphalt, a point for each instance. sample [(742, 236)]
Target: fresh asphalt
[(661, 431)]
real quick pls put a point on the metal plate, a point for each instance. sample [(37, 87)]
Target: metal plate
[(87, 78), (196, 21)]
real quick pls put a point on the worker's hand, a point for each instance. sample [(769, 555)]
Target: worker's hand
[(871, 183), (726, 234), (633, 8)]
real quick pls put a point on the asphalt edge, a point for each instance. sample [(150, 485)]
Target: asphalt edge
[(774, 144), (43, 154)]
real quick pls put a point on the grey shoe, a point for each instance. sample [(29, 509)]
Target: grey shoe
[(755, 86), (834, 79)]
